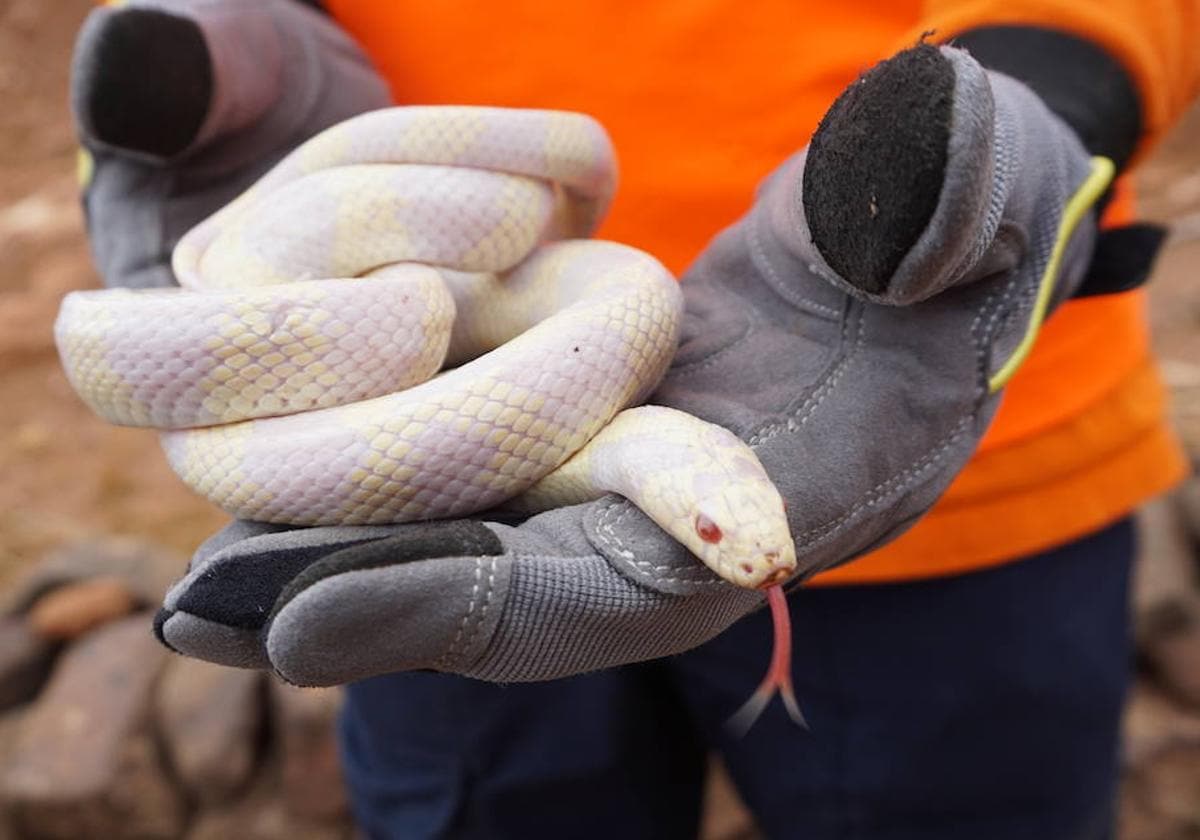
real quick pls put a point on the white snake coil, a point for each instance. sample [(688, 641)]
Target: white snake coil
[(292, 368)]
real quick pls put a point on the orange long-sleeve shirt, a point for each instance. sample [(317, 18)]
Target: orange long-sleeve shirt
[(703, 98)]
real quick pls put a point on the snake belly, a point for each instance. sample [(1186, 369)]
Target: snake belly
[(291, 370)]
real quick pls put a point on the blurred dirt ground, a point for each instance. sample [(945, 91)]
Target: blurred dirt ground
[(66, 475)]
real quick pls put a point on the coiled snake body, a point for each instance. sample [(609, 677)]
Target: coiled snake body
[(292, 369)]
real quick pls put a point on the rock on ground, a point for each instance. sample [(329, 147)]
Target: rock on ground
[(25, 660), (210, 719), (145, 568), (310, 767), (84, 762), (263, 815), (75, 608)]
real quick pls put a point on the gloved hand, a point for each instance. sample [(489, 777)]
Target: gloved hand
[(855, 327), (182, 104)]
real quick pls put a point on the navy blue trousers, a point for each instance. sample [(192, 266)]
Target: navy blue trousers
[(981, 706)]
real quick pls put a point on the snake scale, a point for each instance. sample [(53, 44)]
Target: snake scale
[(404, 320)]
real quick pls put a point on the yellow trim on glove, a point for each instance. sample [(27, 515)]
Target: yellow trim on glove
[(1083, 199), (85, 167)]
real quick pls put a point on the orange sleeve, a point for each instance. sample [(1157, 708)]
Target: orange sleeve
[(1156, 41)]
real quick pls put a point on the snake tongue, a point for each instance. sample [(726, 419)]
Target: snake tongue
[(779, 674)]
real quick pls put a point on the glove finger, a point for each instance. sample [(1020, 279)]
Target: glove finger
[(156, 80), (930, 172), (515, 613), (228, 645), (570, 590), (217, 611), (183, 104), (142, 80)]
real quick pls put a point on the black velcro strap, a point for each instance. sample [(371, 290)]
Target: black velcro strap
[(1077, 79), (1123, 260)]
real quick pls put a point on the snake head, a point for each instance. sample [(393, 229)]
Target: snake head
[(741, 533), (702, 485)]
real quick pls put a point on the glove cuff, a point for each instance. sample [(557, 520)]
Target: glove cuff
[(1078, 80)]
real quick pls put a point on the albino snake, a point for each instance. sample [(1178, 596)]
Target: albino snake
[(292, 394)]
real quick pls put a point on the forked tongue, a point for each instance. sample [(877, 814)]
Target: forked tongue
[(779, 673)]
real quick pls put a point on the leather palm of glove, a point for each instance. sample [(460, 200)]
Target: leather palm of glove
[(853, 327)]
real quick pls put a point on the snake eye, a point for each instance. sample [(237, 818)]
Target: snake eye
[(707, 529)]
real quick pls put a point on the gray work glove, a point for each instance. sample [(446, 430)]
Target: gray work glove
[(854, 327), (182, 104)]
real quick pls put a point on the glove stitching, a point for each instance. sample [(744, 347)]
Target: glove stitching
[(817, 395), (901, 482), (489, 590), (982, 328), (606, 533), (617, 511), (998, 307), (1026, 295), (462, 625), (1004, 159), (762, 261), (697, 365), (695, 574), (1003, 163), (1014, 304), (554, 558), (1043, 246)]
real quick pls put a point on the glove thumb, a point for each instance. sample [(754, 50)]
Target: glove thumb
[(931, 172)]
